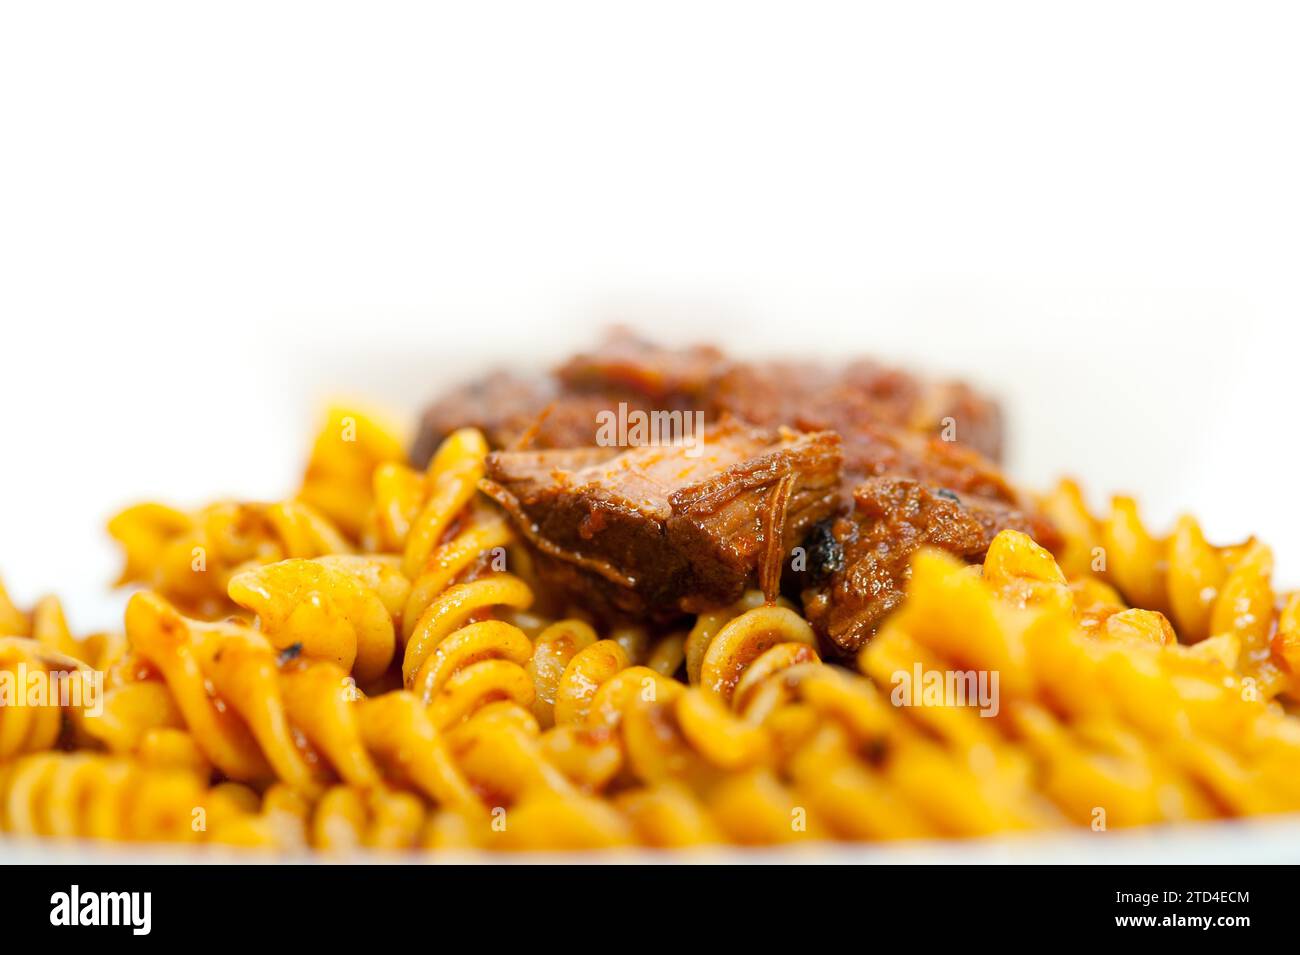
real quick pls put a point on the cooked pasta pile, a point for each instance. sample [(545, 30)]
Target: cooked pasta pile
[(372, 664)]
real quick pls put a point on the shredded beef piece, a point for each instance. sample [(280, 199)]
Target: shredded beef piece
[(859, 562), (654, 532)]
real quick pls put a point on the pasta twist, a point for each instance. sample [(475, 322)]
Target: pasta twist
[(354, 610), (189, 558), (685, 761), (342, 608), (1206, 591), (454, 661), (48, 679), (493, 759), (338, 481), (86, 795), (341, 819), (48, 626), (1141, 729), (281, 717), (254, 720), (32, 704), (436, 524), (263, 716)]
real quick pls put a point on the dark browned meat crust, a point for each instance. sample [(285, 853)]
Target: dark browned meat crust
[(626, 365), (654, 533), (509, 408), (861, 395), (560, 412), (859, 563)]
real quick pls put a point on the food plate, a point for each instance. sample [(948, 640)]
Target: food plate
[(387, 575), (1249, 842)]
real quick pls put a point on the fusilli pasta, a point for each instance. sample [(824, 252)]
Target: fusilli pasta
[(371, 665)]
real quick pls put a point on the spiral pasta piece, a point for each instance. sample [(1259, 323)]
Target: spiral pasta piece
[(434, 522), (85, 795), (421, 663), (27, 725), (59, 689), (347, 818), (1140, 728), (689, 759), (47, 625), (190, 558), (252, 719), (260, 715), (1224, 593), (339, 478), (343, 608)]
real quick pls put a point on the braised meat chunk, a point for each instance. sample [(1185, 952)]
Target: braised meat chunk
[(628, 365), (859, 563), (500, 404), (654, 531), (511, 409), (862, 464), (860, 395), (560, 411), (875, 450)]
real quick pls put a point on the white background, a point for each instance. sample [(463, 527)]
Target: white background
[(214, 216)]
